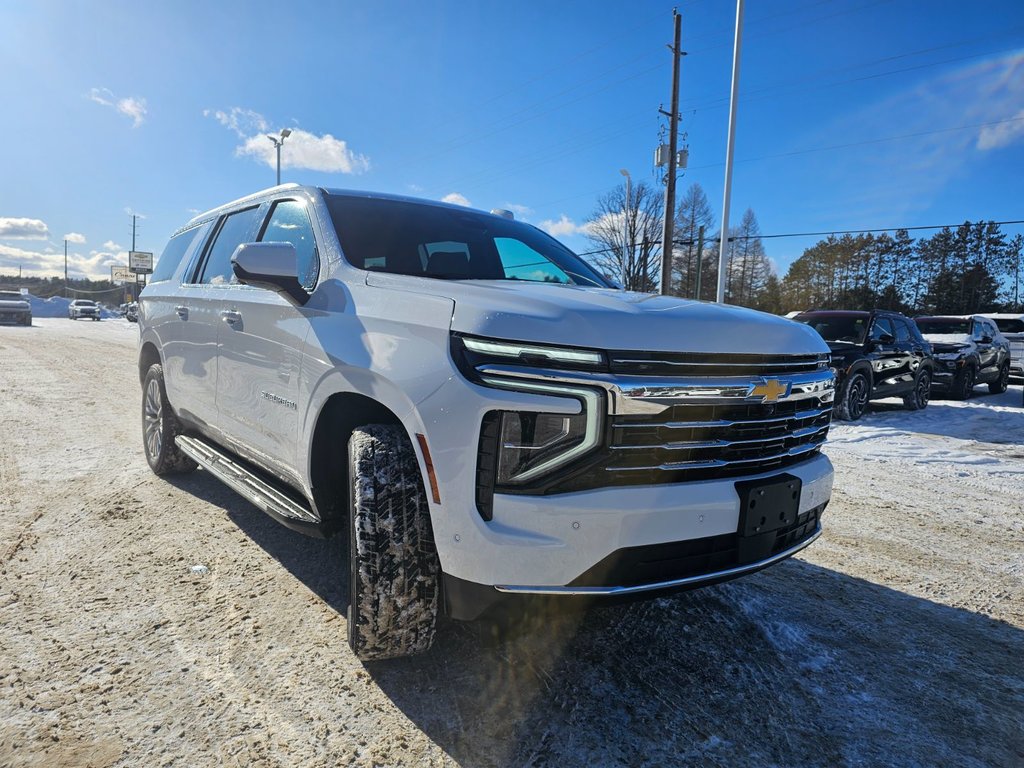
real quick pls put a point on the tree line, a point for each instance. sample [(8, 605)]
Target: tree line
[(971, 268)]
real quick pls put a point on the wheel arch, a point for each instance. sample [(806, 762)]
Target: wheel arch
[(149, 355), (339, 415)]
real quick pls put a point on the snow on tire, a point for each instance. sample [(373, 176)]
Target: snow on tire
[(393, 566), (160, 426)]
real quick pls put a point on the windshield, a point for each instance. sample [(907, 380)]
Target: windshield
[(956, 326), (841, 328), (83, 303), (410, 238)]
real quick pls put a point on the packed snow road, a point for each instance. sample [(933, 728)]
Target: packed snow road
[(897, 639)]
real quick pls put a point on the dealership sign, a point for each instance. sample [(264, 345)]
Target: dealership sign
[(140, 262), (121, 274)]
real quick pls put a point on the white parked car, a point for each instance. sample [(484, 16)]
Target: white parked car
[(15, 308), (80, 308), (475, 407)]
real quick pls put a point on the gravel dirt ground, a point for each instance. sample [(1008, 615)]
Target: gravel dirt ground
[(897, 639)]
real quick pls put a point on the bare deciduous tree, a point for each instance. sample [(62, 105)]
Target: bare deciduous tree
[(628, 239)]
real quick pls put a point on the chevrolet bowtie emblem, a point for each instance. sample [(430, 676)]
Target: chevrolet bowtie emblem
[(770, 390)]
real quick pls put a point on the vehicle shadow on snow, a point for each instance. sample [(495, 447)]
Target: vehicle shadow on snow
[(798, 665)]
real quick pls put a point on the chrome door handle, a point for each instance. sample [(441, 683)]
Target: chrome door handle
[(231, 317), (181, 312)]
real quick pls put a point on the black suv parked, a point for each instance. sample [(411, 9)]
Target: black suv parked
[(874, 355), (969, 350)]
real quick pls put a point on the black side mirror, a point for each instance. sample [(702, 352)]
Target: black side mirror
[(986, 339), (272, 266), (886, 338)]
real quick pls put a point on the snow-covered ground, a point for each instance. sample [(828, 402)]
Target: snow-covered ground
[(896, 639)]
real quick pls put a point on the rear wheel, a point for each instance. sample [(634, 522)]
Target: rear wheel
[(853, 397), (160, 426), (1000, 385), (921, 394), (963, 385), (393, 566)]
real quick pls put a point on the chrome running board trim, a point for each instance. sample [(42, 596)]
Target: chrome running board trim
[(243, 481), (689, 580)]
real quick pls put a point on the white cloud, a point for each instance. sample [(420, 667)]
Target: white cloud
[(110, 245), (23, 229), (521, 211), (301, 149), (456, 199), (130, 106), (414, 188), (308, 151), (244, 122), (1001, 134), (74, 237), (49, 263), (562, 227)]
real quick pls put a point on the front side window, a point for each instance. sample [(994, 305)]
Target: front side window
[(882, 327), (289, 223), (433, 241), (235, 229)]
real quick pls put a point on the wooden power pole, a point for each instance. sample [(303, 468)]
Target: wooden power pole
[(673, 148)]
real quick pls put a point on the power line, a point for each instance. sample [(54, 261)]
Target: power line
[(821, 234)]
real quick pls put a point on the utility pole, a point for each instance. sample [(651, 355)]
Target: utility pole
[(673, 147), (65, 267), (700, 258), (723, 247)]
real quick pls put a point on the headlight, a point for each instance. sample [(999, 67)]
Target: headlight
[(470, 352), (533, 443)]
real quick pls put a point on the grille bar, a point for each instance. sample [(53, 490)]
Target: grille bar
[(720, 463), (683, 445), (722, 422)]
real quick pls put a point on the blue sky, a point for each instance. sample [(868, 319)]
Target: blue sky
[(853, 113)]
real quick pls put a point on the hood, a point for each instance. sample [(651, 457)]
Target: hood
[(603, 318), (947, 342), (14, 304)]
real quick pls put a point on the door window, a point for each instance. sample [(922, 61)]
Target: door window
[(235, 229), (882, 327), (289, 223), (902, 332)]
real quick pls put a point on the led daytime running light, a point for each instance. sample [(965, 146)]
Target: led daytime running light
[(515, 350)]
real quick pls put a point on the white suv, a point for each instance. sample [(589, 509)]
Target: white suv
[(475, 407), (80, 308)]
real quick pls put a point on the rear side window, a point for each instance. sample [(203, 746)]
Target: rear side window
[(235, 229), (289, 223), (902, 332), (175, 251), (1010, 325)]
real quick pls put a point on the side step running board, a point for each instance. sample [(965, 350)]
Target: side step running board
[(244, 481)]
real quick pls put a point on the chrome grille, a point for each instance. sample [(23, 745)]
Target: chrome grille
[(704, 364), (689, 442)]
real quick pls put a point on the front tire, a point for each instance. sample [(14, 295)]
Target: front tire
[(160, 426), (963, 385), (1001, 384), (922, 393), (393, 567), (853, 397)]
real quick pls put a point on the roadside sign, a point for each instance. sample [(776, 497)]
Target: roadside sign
[(140, 262), (121, 274)]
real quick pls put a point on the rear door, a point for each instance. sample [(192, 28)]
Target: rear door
[(983, 338), (259, 350), (912, 350)]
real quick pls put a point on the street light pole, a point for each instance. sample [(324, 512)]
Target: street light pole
[(285, 133), (626, 239), (723, 246)]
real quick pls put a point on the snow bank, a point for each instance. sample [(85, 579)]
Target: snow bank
[(57, 306)]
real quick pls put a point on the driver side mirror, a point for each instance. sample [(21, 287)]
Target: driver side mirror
[(272, 266), (885, 339), (986, 339)]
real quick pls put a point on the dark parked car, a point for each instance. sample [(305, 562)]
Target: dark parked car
[(969, 350), (874, 355)]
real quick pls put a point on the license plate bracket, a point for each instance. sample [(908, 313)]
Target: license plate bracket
[(765, 507)]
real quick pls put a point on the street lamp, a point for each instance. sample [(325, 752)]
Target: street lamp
[(625, 224), (285, 133)]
